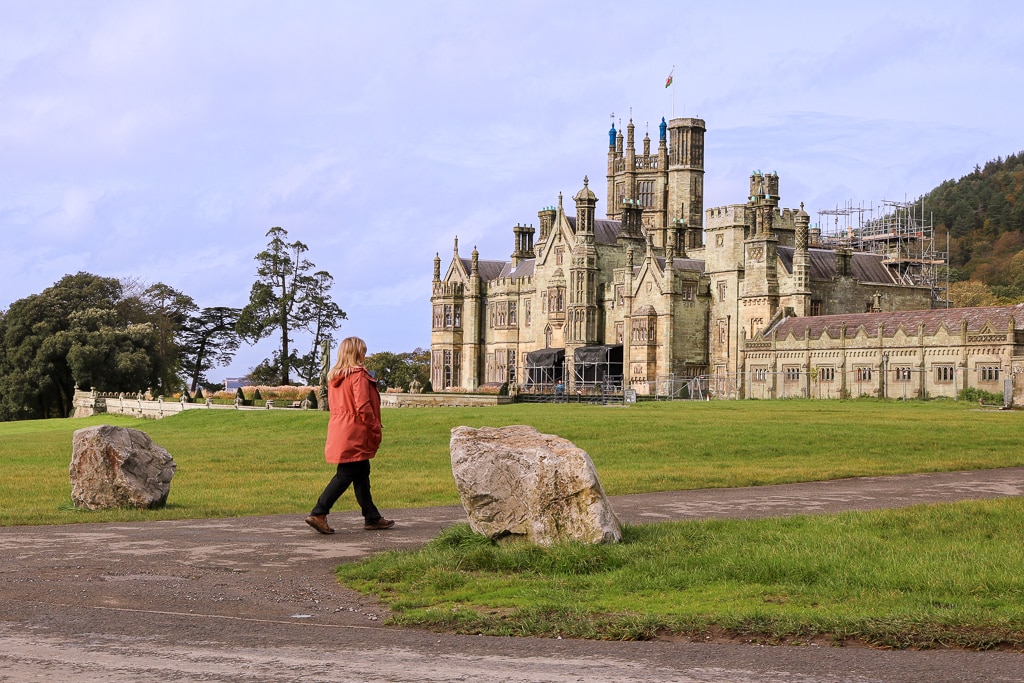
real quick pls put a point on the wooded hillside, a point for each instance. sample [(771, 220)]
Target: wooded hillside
[(983, 213)]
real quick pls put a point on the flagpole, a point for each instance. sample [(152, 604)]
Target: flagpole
[(672, 82)]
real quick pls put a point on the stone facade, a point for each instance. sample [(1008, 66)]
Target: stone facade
[(910, 354), (659, 288)]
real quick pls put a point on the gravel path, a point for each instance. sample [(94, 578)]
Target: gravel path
[(253, 599)]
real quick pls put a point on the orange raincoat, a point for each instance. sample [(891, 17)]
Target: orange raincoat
[(354, 430)]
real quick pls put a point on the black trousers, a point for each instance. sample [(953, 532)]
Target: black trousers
[(358, 475)]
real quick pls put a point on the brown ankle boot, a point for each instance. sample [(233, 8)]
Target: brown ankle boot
[(319, 522)]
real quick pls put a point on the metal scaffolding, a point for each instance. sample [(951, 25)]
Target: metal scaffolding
[(901, 233)]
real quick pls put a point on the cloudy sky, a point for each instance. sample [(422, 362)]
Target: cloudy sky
[(161, 140)]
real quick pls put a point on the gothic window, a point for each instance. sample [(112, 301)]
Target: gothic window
[(543, 302), (456, 365), (863, 374), (688, 292), (815, 307), (501, 314), (618, 333), (438, 317), (760, 374), (988, 373), (547, 337), (792, 373), (826, 374), (618, 295), (458, 315), (755, 325), (721, 291), (639, 331), (902, 374), (529, 318), (943, 373), (644, 330), (447, 364), (559, 255), (512, 314), (511, 378), (447, 315), (580, 281), (645, 192), (722, 331)]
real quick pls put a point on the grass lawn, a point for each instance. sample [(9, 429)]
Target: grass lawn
[(918, 577), (237, 463), (921, 577)]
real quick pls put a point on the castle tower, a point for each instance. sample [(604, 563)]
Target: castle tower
[(686, 172), (641, 180)]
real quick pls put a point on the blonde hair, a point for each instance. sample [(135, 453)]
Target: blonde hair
[(351, 353)]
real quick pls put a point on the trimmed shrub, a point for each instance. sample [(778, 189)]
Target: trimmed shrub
[(973, 395)]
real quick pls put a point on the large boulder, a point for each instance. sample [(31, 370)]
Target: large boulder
[(115, 467), (516, 482)]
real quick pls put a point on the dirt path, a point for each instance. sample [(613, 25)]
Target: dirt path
[(252, 599)]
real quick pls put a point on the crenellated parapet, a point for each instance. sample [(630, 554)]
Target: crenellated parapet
[(725, 216)]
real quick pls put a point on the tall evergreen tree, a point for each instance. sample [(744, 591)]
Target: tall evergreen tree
[(284, 298)]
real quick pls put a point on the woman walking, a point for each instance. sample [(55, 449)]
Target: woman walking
[(353, 436)]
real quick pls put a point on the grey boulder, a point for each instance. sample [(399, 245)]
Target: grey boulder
[(516, 482), (117, 467)]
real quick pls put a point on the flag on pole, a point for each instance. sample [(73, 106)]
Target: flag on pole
[(668, 81)]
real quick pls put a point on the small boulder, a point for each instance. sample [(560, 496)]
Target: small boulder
[(115, 467), (516, 482)]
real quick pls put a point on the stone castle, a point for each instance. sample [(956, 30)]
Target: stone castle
[(662, 291)]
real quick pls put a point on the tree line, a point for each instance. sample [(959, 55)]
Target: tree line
[(113, 335), (983, 214)]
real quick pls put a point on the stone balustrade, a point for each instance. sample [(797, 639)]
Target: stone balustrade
[(88, 403)]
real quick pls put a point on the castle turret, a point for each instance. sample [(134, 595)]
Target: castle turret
[(802, 264), (582, 311), (760, 295), (586, 205), (546, 216)]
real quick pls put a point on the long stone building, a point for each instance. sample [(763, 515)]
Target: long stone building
[(662, 290)]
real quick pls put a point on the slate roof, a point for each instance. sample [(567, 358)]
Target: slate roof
[(605, 231), (524, 269), (866, 267), (489, 270), (683, 264), (997, 317)]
